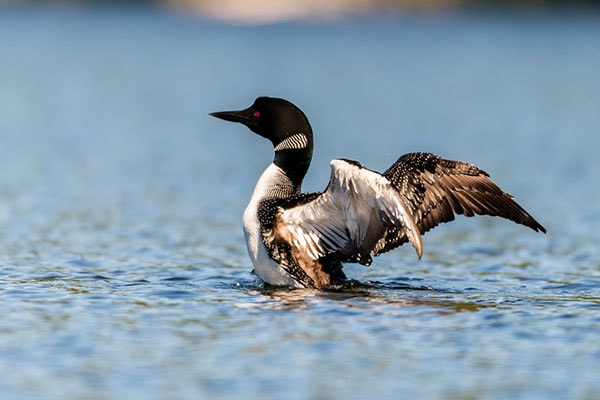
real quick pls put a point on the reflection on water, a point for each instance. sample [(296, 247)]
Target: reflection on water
[(361, 296), (123, 271)]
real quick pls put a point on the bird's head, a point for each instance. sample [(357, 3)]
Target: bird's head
[(278, 120)]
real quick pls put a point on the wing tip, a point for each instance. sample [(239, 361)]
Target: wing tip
[(417, 243), (419, 252)]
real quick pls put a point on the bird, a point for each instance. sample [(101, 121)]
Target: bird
[(302, 240)]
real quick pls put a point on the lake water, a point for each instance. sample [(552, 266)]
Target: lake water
[(123, 270)]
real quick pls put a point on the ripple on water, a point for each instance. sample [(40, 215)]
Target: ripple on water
[(588, 285), (83, 263), (177, 279), (174, 294)]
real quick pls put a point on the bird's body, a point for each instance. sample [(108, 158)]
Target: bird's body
[(265, 267), (302, 240)]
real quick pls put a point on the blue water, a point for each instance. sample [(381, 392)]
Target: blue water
[(123, 271)]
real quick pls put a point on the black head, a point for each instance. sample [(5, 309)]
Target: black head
[(272, 118)]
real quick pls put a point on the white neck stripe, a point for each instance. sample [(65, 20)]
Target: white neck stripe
[(294, 142)]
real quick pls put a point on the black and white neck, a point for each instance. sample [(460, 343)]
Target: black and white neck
[(288, 129)]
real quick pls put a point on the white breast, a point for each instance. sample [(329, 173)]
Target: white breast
[(266, 269)]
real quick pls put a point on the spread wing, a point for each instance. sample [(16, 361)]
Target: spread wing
[(353, 214), (434, 190), (364, 213)]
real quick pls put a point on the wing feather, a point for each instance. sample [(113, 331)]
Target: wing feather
[(435, 190), (350, 217), (364, 213)]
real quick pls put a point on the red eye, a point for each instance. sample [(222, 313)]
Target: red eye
[(256, 114)]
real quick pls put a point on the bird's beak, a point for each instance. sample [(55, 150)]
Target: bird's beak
[(233, 116), (244, 117)]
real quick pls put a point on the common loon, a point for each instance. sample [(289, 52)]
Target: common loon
[(302, 239)]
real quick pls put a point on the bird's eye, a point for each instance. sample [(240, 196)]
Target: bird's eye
[(256, 114)]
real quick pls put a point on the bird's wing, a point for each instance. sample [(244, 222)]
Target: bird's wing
[(434, 189), (358, 207)]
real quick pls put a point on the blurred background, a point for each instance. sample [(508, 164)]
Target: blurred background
[(123, 269), (261, 11)]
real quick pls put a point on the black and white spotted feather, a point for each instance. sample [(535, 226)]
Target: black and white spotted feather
[(278, 249), (356, 210), (364, 213), (434, 190)]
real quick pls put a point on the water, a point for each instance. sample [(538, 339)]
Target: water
[(123, 270)]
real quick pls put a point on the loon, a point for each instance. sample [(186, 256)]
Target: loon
[(302, 239)]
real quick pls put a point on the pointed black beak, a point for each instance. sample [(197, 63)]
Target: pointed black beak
[(245, 117), (248, 117), (233, 116)]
